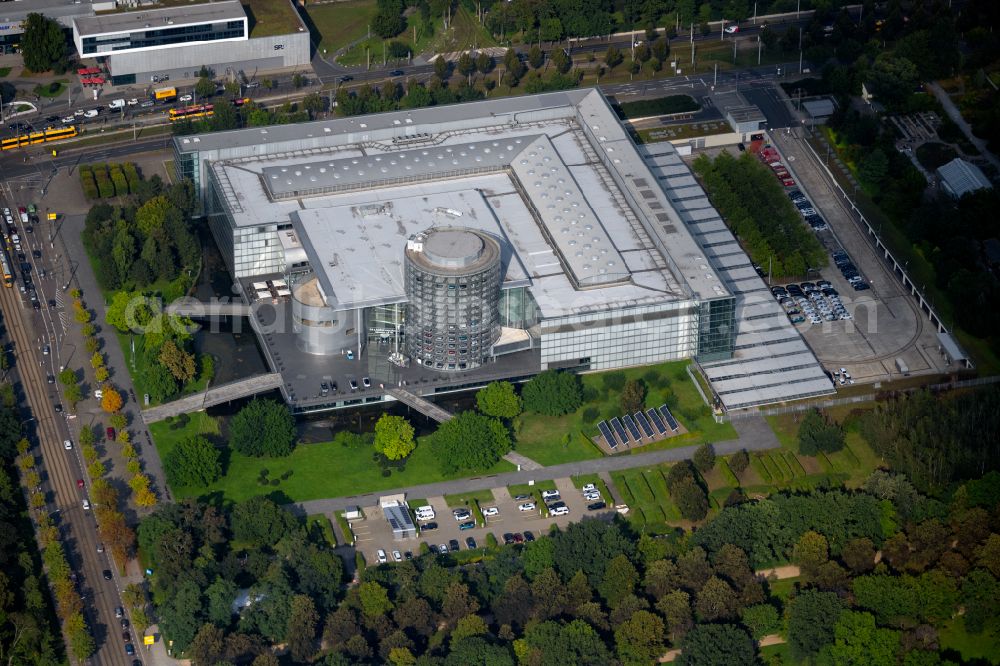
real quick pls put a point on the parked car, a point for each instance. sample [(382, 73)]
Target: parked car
[(107, 575), (185, 98), (527, 506), (380, 556), (110, 433), (528, 535), (86, 504), (79, 483), (550, 495), (442, 548), (596, 506), (467, 525), (491, 511), (470, 543), (427, 527), (590, 487), (67, 444), (453, 545), (397, 556)]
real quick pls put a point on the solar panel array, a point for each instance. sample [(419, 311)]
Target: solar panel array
[(655, 419), (668, 417), (630, 424), (619, 430), (609, 436), (640, 418)]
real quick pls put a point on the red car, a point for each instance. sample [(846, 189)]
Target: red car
[(79, 483), (110, 432)]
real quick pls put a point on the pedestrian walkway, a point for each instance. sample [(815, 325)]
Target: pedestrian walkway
[(523, 462), (956, 116), (755, 435), (216, 395), (616, 496), (425, 407)]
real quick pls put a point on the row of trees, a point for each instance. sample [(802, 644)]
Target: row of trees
[(225, 116), (28, 634), (108, 180), (596, 592), (755, 207)]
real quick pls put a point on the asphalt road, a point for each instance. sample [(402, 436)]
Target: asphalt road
[(29, 330)]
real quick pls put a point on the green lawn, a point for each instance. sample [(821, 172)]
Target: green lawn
[(317, 471), (541, 438), (777, 655), (645, 493), (271, 17), (340, 23), (200, 424), (46, 91), (985, 646), (584, 479)]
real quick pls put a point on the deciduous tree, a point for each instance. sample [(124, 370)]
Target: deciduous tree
[(553, 393), (179, 362), (470, 441), (704, 457), (633, 397), (717, 644), (263, 428), (394, 437), (194, 462), (111, 400), (640, 638), (499, 399)]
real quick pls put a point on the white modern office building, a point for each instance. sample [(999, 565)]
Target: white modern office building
[(150, 44), (598, 266)]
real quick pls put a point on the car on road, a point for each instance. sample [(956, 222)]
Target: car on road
[(467, 526), (529, 536), (732, 29), (185, 98), (397, 72), (79, 112), (107, 574), (397, 556), (90, 113), (146, 104), (124, 622), (52, 119), (491, 511), (133, 102), (67, 444), (527, 506), (86, 504), (453, 545), (79, 483), (346, 78), (45, 350), (68, 120), (380, 555), (119, 612), (110, 433), (130, 649), (58, 408), (100, 548), (428, 527), (50, 379)]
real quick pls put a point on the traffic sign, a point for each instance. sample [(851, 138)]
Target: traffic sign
[(148, 640)]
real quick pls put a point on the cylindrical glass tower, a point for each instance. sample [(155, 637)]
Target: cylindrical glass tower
[(452, 278)]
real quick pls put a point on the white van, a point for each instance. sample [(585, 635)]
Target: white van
[(425, 512), (116, 104)]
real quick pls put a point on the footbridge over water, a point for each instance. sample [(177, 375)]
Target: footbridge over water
[(214, 395), (425, 407)]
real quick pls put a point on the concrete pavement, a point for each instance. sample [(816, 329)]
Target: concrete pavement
[(754, 435)]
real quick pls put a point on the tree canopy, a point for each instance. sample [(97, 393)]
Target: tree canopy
[(263, 428), (470, 441), (499, 399), (553, 393), (193, 462), (43, 44), (816, 435), (394, 437)]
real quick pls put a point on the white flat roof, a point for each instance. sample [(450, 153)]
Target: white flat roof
[(161, 19)]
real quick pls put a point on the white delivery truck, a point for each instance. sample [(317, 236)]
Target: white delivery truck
[(116, 104)]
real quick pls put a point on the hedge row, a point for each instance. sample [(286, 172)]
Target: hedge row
[(103, 180)]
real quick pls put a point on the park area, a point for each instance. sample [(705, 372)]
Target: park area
[(651, 508), (553, 440), (311, 471)]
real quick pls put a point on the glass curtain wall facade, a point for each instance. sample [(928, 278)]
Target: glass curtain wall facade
[(636, 336), (142, 39), (518, 308), (717, 329)]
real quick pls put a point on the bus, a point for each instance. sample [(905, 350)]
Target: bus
[(44, 136), (164, 94), (8, 275), (190, 112)]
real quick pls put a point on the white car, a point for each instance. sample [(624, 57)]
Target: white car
[(98, 393), (69, 120), (527, 506), (133, 102), (79, 112), (491, 511), (67, 444), (380, 555), (465, 515), (397, 556), (560, 511), (185, 98), (550, 494), (732, 29), (589, 488), (92, 113), (86, 505), (592, 497)]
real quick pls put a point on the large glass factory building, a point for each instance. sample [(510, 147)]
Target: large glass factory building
[(441, 248)]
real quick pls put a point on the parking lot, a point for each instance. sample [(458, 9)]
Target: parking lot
[(885, 323), (510, 523)]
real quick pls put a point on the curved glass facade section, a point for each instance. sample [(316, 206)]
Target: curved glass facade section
[(452, 280), (318, 328)]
